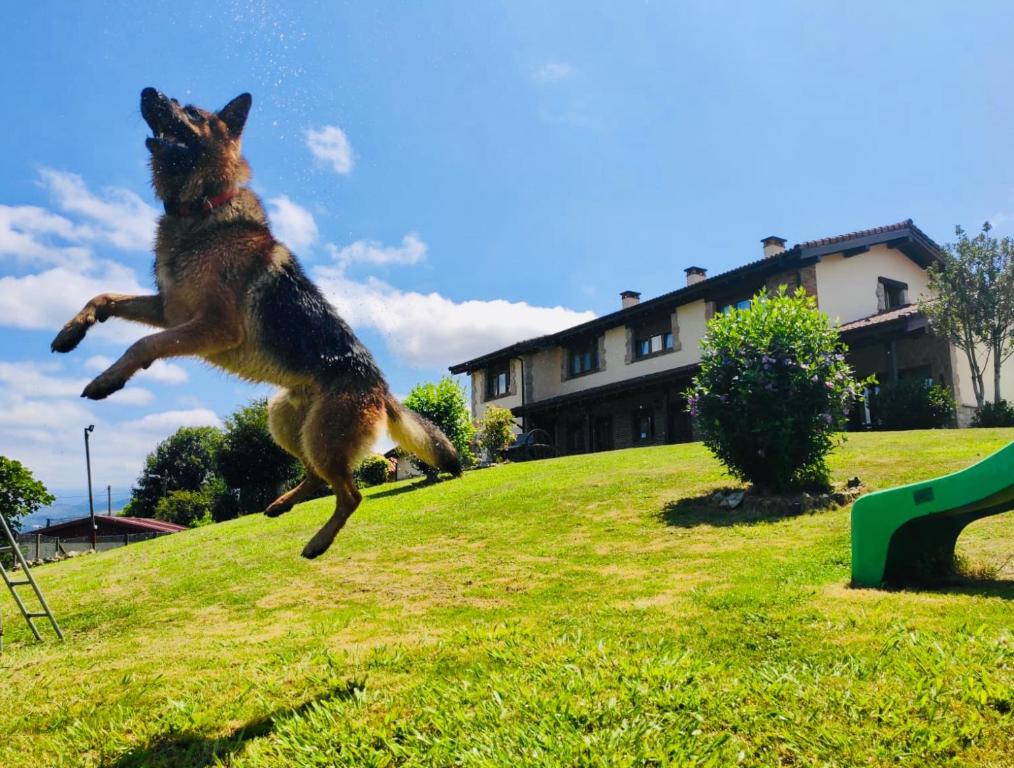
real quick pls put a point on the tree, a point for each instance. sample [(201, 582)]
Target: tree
[(496, 430), (912, 404), (445, 405), (251, 461), (772, 391), (185, 461), (189, 508), (372, 470), (20, 493), (973, 303)]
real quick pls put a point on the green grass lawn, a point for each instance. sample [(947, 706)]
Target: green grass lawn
[(549, 613)]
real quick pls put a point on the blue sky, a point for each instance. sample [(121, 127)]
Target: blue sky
[(461, 175)]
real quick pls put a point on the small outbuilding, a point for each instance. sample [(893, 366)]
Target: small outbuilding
[(106, 525), (404, 467)]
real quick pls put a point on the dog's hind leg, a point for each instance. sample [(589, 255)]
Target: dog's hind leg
[(286, 415), (339, 429)]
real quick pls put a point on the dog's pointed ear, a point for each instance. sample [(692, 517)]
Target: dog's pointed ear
[(235, 112)]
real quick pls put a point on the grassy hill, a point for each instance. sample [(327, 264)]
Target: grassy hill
[(553, 613)]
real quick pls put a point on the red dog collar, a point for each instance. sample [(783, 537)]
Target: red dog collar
[(201, 207)]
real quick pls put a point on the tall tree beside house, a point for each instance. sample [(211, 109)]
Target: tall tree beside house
[(20, 493), (251, 461), (446, 405), (973, 303), (187, 460)]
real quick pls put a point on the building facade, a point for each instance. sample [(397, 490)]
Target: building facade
[(621, 380)]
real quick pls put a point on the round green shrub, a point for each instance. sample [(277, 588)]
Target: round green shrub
[(189, 508), (496, 431), (998, 414), (912, 404), (773, 391), (372, 470)]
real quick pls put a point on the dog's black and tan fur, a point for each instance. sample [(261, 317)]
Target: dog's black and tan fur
[(230, 293)]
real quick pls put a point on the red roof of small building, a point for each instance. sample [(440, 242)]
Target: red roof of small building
[(139, 524), (149, 523)]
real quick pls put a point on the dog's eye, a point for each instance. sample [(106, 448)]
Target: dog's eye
[(194, 115)]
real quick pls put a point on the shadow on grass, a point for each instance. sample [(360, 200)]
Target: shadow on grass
[(422, 483), (954, 585), (1001, 588), (195, 750), (699, 511)]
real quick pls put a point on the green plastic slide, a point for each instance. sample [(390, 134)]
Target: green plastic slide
[(902, 533)]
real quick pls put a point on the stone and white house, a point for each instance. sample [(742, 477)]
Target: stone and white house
[(620, 380)]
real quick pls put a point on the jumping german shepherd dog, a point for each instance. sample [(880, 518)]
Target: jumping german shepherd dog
[(229, 293)]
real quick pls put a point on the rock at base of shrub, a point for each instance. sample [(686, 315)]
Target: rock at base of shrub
[(749, 502)]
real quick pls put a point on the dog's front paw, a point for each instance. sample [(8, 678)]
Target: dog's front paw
[(103, 386), (70, 336), (278, 507)]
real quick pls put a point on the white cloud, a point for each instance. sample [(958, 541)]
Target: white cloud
[(428, 330), (330, 145), (27, 233), (45, 434), (118, 216), (411, 251), (292, 223), (61, 245), (44, 415), (173, 420), (554, 71), (98, 363), (160, 370), (37, 381), (165, 372), (133, 395), (49, 299)]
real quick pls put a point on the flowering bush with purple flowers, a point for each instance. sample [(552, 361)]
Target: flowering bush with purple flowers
[(773, 391)]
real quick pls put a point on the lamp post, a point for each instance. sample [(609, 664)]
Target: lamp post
[(91, 501)]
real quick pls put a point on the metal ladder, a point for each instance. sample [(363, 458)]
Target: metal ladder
[(22, 578)]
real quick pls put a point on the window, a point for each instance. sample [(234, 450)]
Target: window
[(583, 358), (895, 293), (652, 345), (498, 380), (644, 426), (731, 305), (653, 338)]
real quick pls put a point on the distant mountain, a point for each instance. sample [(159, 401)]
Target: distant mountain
[(70, 505)]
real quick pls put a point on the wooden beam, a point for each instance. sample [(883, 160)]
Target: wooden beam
[(850, 252)]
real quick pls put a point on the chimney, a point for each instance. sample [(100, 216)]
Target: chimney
[(630, 299), (773, 245), (695, 274)]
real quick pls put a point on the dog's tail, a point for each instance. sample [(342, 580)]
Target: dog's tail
[(419, 436)]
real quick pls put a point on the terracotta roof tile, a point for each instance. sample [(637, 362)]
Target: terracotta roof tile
[(880, 318), (906, 224)]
